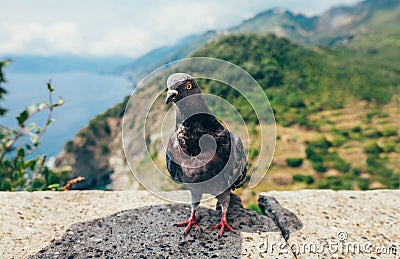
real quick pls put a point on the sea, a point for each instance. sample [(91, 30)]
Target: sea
[(85, 95)]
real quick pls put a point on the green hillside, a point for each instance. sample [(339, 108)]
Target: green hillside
[(338, 118), (341, 108), (300, 80)]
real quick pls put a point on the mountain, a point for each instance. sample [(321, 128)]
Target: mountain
[(344, 25), (337, 26), (336, 102), (158, 57), (281, 22)]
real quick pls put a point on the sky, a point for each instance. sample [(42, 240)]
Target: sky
[(125, 27)]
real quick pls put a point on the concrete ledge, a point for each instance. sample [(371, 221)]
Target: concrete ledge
[(128, 224), (341, 224)]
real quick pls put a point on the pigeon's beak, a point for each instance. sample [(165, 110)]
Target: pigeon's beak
[(171, 94)]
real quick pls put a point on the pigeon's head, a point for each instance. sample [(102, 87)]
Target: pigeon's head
[(179, 86)]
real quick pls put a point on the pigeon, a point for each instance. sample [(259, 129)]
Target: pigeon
[(202, 154)]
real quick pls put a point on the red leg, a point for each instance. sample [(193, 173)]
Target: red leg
[(189, 223), (224, 223)]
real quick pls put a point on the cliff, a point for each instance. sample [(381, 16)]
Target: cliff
[(96, 153)]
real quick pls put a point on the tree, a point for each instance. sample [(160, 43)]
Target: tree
[(2, 81), (17, 170)]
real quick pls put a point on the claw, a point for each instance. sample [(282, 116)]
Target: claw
[(224, 223), (189, 223)]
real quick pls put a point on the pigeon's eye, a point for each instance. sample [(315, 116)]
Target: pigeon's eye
[(188, 86)]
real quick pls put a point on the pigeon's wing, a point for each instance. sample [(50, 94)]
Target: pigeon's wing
[(174, 169), (231, 151), (240, 161)]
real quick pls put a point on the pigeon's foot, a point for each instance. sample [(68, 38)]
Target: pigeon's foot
[(222, 225), (189, 223)]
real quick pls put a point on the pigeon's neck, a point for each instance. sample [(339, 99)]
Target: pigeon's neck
[(185, 110)]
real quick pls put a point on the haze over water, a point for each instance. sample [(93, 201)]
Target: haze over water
[(86, 94)]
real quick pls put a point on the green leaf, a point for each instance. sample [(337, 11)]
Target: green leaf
[(30, 164), (50, 87), (31, 126), (37, 184), (28, 147), (2, 91), (56, 186), (9, 143), (5, 185), (22, 117), (53, 178), (50, 122), (2, 111), (21, 152), (35, 141), (31, 108)]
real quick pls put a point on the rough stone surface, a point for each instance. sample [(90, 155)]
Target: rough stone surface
[(138, 232), (29, 221), (357, 224), (90, 224), (97, 224)]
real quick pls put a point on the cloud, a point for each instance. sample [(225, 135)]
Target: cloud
[(32, 37), (125, 27), (123, 41)]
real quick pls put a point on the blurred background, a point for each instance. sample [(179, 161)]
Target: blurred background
[(329, 68)]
